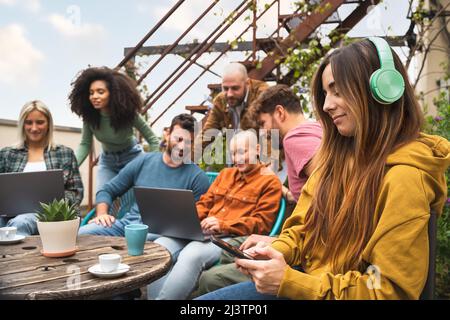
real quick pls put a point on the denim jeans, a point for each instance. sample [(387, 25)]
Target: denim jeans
[(218, 277), (190, 259), (110, 163), (240, 291), (25, 223), (116, 230)]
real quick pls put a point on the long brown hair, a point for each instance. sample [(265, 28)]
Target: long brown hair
[(351, 169)]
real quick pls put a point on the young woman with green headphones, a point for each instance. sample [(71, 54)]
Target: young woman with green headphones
[(360, 228)]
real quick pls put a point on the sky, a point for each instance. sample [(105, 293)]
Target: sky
[(44, 44)]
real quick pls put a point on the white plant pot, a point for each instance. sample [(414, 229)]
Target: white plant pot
[(59, 238)]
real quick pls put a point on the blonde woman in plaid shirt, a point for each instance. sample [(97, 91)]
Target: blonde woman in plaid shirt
[(36, 151)]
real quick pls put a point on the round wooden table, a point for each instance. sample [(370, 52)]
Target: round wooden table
[(26, 274)]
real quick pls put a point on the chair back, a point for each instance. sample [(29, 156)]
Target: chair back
[(212, 176), (428, 290), (278, 222), (124, 204)]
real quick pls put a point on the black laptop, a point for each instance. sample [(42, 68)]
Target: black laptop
[(170, 212), (21, 192)]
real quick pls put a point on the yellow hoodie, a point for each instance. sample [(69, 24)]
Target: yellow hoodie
[(397, 252)]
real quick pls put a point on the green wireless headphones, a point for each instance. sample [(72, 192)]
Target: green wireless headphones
[(386, 84)]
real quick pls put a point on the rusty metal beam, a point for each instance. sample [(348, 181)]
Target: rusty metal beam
[(394, 41), (298, 35), (131, 54), (275, 40), (205, 68), (344, 27), (227, 23), (188, 47), (254, 27), (211, 64), (198, 51), (357, 15), (93, 160), (169, 49)]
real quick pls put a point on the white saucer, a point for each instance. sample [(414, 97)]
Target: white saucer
[(96, 271), (16, 239)]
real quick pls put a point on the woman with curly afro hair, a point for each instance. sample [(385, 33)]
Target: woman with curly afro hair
[(109, 104)]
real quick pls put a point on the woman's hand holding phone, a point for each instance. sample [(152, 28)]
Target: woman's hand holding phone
[(267, 274), (231, 249), (254, 239)]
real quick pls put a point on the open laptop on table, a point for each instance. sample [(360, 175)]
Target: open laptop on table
[(170, 212), (21, 192)]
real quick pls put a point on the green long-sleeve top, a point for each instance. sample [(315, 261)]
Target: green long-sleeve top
[(112, 140)]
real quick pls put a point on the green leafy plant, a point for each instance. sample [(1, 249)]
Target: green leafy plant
[(54, 211), (218, 160), (439, 124)]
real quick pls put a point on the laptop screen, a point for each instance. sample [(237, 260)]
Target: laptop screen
[(169, 212), (21, 192)]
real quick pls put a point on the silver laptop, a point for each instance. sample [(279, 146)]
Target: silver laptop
[(170, 212), (21, 192)]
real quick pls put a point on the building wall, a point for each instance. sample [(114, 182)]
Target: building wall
[(67, 136), (431, 79)]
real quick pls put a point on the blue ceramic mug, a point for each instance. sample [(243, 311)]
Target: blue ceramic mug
[(136, 235)]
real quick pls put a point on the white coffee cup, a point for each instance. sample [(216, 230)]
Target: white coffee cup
[(8, 233), (109, 262)]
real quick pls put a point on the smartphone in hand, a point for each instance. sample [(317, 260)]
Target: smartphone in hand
[(231, 249)]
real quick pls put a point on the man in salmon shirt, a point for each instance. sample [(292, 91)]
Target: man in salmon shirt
[(277, 108), (242, 200)]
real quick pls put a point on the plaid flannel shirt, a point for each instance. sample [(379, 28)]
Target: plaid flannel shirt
[(14, 159)]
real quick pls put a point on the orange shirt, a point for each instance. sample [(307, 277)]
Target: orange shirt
[(243, 204)]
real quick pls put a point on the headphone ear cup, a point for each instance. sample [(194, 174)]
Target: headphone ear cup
[(387, 85)]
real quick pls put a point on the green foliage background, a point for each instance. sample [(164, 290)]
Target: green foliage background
[(440, 125)]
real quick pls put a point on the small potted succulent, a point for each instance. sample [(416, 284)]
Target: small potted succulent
[(58, 225)]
